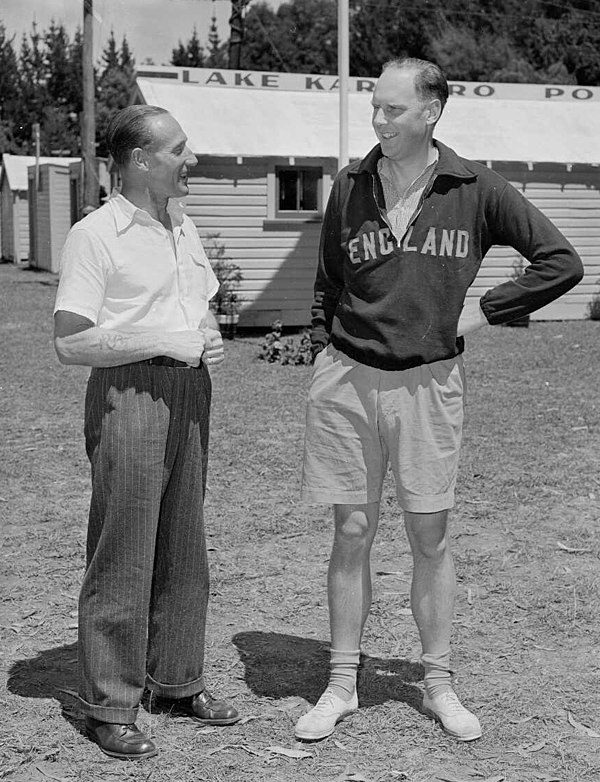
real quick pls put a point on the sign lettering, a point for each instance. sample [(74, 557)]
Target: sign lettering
[(243, 80)]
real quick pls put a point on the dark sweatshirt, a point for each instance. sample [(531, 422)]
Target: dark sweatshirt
[(395, 305)]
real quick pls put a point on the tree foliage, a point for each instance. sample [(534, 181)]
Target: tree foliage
[(41, 82), (474, 40), (10, 97), (298, 37), (114, 85), (217, 51), (190, 54), (381, 30)]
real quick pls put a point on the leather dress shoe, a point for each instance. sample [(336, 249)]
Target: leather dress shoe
[(202, 708), (126, 742)]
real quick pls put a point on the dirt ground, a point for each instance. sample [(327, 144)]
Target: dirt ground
[(526, 645)]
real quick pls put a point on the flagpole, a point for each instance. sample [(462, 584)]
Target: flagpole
[(88, 121)]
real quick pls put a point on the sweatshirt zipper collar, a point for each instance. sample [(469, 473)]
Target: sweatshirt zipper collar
[(449, 164)]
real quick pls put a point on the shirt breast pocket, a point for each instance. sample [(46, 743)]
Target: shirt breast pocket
[(197, 272)]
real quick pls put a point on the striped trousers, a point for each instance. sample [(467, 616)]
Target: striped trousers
[(143, 601)]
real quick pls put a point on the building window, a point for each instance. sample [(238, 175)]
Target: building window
[(299, 192)]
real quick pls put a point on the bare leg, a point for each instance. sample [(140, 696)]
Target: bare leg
[(432, 599), (349, 576), (349, 592), (434, 581)]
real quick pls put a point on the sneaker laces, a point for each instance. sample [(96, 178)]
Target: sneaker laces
[(326, 701), (452, 703)]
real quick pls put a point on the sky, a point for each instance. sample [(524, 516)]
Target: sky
[(153, 27)]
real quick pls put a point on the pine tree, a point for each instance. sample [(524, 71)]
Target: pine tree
[(32, 88), (115, 87), (9, 92), (217, 52), (63, 98), (126, 59), (110, 56), (190, 55), (56, 65)]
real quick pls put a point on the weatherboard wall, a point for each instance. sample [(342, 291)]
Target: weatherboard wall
[(50, 211), (234, 204), (15, 223)]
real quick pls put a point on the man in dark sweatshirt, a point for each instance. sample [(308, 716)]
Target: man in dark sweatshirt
[(404, 235)]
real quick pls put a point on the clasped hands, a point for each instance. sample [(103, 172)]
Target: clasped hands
[(204, 343)]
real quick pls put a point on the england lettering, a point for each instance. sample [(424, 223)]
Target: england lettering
[(439, 242)]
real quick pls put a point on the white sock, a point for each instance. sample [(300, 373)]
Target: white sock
[(343, 670), (437, 673)]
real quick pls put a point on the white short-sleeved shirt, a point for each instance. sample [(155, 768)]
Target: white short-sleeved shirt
[(123, 270)]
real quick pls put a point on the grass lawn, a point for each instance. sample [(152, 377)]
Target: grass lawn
[(525, 528)]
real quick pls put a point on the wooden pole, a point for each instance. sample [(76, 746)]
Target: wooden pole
[(35, 129), (343, 75), (88, 120), (236, 35)]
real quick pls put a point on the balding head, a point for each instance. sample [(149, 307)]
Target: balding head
[(430, 83)]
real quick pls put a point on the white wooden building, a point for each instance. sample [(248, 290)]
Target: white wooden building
[(54, 205), (14, 207), (267, 147), (49, 214)]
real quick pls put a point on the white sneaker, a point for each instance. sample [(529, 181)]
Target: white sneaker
[(457, 721), (321, 720)]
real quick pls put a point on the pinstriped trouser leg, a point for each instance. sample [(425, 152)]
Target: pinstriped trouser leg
[(143, 599), (181, 581)]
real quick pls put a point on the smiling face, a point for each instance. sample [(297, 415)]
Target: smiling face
[(402, 121), (169, 159)]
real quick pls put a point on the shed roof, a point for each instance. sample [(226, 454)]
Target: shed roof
[(230, 121), (15, 167)]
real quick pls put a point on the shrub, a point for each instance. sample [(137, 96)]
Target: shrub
[(594, 307), (227, 300), (276, 350)]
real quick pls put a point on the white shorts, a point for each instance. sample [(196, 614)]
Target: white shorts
[(360, 419)]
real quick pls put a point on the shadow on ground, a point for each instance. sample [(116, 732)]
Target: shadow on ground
[(279, 666), (52, 673)]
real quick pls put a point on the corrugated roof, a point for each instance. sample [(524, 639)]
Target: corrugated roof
[(15, 167), (231, 121)]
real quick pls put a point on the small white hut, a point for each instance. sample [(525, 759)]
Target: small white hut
[(14, 209), (49, 214)]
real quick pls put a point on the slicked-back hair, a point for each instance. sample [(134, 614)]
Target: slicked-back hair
[(430, 82), (128, 129)]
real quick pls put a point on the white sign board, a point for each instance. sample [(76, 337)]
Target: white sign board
[(303, 82)]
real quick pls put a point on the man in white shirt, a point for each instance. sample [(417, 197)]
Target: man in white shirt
[(132, 303)]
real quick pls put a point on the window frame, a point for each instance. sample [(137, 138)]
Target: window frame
[(277, 217), (290, 214)]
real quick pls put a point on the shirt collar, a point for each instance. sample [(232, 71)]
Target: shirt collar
[(449, 163), (125, 213), (424, 176)]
